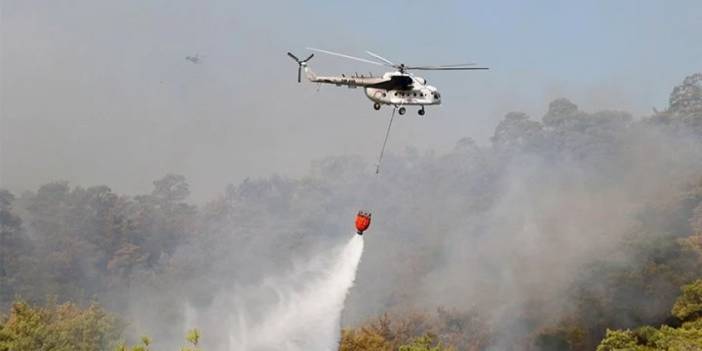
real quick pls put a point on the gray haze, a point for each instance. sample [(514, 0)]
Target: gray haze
[(506, 230), (100, 92)]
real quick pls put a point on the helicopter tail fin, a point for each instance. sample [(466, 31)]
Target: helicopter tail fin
[(301, 63)]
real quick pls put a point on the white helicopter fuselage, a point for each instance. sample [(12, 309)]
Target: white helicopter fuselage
[(392, 88), (419, 93)]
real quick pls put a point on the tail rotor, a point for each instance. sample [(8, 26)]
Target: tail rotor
[(300, 63)]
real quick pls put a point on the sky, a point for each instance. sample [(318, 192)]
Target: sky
[(99, 92)]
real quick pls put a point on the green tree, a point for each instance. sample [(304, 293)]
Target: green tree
[(686, 98), (686, 337), (193, 338), (689, 305), (143, 346), (363, 339), (171, 189), (14, 249), (64, 327), (517, 132), (560, 112), (618, 340), (423, 343), (696, 220)]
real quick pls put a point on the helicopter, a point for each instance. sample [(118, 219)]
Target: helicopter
[(197, 59), (398, 88)]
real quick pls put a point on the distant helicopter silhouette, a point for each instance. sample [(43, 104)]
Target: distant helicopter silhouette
[(197, 59)]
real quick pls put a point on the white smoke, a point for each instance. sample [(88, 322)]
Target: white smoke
[(296, 311)]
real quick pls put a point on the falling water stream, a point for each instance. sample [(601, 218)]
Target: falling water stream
[(306, 311)]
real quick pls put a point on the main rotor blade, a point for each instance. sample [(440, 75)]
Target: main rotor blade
[(380, 58), (346, 56), (293, 56), (425, 68), (442, 66)]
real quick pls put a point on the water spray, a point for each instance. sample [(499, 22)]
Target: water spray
[(299, 310)]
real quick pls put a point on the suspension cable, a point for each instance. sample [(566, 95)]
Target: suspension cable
[(387, 134)]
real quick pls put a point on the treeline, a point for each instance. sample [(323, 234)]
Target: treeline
[(79, 244), (69, 327), (443, 330), (558, 230), (663, 253), (686, 334), (449, 330)]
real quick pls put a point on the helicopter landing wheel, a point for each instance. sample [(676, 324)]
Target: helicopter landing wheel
[(421, 112), (376, 106), (401, 111)]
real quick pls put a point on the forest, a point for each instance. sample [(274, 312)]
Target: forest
[(578, 231)]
